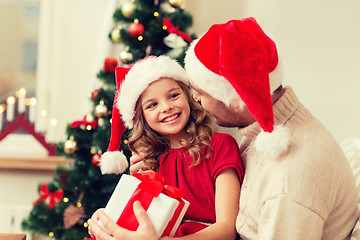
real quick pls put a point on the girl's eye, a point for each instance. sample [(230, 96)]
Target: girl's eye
[(174, 95), (152, 105)]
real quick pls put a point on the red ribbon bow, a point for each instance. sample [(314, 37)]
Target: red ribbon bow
[(54, 197), (152, 184), (175, 29), (92, 124)]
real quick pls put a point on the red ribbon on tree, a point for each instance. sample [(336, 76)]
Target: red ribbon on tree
[(53, 197), (84, 122), (152, 184), (170, 28)]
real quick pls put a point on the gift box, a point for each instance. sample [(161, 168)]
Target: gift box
[(164, 204)]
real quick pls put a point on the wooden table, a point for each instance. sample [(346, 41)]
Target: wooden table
[(8, 236)]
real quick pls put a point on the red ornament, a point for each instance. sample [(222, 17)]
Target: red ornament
[(94, 94), (109, 65), (96, 160), (136, 29)]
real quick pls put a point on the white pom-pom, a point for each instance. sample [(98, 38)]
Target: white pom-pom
[(113, 162), (275, 143)]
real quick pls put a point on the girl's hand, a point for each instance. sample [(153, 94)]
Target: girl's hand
[(166, 238), (136, 163)]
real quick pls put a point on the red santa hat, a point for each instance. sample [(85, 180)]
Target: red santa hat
[(131, 82), (232, 62), (237, 63)]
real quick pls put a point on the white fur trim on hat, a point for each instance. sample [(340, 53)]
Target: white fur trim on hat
[(275, 143), (209, 81), (217, 85), (113, 162), (140, 76)]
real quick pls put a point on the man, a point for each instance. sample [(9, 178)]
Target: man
[(298, 184)]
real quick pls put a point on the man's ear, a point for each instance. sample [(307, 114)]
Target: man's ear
[(237, 109)]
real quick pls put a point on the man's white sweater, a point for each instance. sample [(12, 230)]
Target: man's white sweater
[(307, 192)]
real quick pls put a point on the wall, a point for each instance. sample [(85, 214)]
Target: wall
[(319, 44), (20, 186), (78, 43), (207, 12)]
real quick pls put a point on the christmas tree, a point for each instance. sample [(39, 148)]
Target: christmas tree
[(141, 28)]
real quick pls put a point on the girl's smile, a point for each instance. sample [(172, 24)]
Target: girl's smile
[(170, 118)]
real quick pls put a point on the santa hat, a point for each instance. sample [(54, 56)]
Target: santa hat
[(238, 56), (131, 82), (237, 63)]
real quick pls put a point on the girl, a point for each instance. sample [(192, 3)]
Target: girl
[(155, 101)]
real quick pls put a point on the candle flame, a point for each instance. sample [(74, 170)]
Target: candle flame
[(33, 101), (20, 92), (10, 100), (53, 122)]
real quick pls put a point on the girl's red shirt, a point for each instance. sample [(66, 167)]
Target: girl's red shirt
[(198, 182)]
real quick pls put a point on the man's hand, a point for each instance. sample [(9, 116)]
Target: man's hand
[(145, 230)]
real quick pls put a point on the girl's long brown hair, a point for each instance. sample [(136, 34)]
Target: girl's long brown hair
[(199, 131)]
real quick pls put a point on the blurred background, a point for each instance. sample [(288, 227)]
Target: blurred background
[(54, 49), (317, 41)]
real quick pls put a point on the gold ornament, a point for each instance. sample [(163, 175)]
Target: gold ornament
[(176, 3), (128, 9), (101, 110), (101, 122), (70, 146), (116, 35), (126, 57)]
